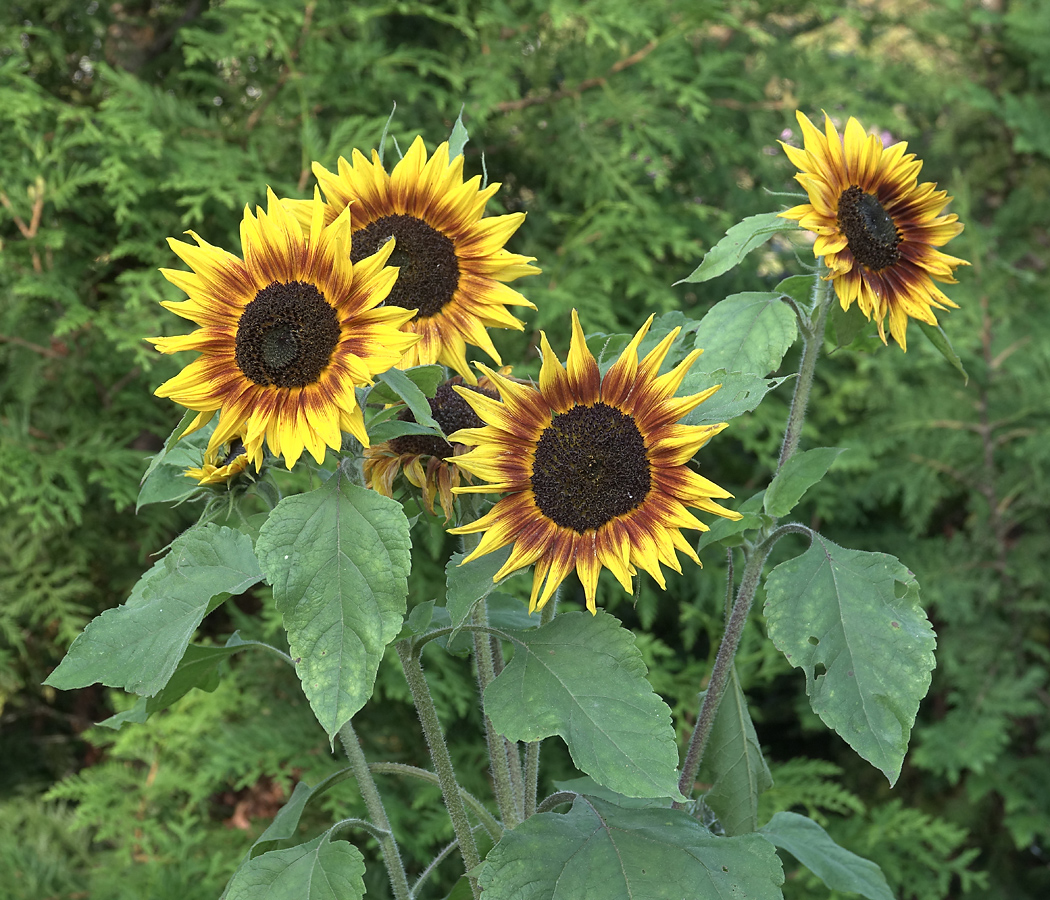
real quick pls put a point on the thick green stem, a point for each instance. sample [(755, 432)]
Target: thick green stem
[(811, 325), (374, 803), (532, 750), (509, 810), (450, 790), (812, 340), (723, 666)]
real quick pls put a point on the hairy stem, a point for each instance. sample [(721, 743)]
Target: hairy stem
[(811, 325), (450, 790), (509, 810), (812, 339), (374, 803), (723, 666), (532, 750)]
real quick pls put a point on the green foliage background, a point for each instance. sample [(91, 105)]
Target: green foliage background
[(633, 134)]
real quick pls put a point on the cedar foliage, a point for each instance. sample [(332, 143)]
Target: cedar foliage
[(632, 134)]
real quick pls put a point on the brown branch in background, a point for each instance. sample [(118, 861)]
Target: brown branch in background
[(576, 90), (106, 396), (36, 191), (50, 352)]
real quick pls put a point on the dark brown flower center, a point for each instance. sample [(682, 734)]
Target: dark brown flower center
[(873, 237), (451, 412), (590, 467), (286, 335), (429, 266)]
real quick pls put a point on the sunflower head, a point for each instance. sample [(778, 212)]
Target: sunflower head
[(428, 462), (876, 227), (594, 470), (453, 268), (286, 334), (222, 463)]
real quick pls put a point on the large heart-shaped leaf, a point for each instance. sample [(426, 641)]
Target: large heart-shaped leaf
[(600, 851), (323, 869), (852, 622), (583, 678), (746, 333), (198, 668), (137, 645), (338, 559)]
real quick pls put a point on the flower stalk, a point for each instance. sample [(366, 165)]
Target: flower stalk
[(812, 328), (374, 803), (450, 789), (509, 809)]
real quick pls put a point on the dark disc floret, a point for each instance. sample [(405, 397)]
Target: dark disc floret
[(590, 467), (451, 412), (429, 273), (286, 335), (872, 235)]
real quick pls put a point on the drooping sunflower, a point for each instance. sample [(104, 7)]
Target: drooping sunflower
[(221, 464), (286, 333), (453, 267), (429, 463), (877, 228), (595, 469)]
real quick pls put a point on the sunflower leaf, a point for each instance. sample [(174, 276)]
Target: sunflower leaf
[(415, 399), (738, 242), (322, 869), (583, 678), (426, 378), (740, 393), (386, 431), (852, 622), (600, 851), (799, 288), (338, 559), (797, 476), (733, 764), (747, 332), (468, 583), (939, 339), (164, 480), (728, 532), (846, 323), (457, 140), (138, 645), (606, 348), (198, 668), (837, 867)]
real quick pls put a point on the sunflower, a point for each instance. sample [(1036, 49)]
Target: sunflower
[(595, 469), (877, 228), (429, 462), (221, 464), (452, 262), (286, 334)]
